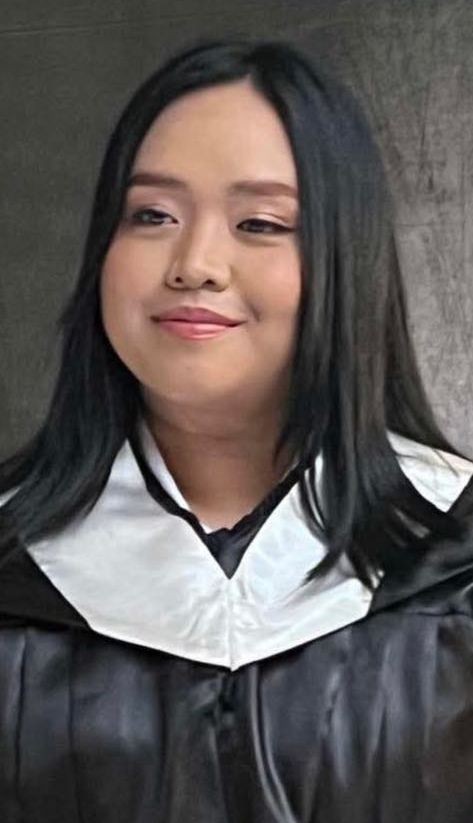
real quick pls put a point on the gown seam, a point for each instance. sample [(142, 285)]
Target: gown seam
[(17, 783), (273, 790), (327, 720), (70, 733)]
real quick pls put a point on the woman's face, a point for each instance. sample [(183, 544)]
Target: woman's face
[(204, 242)]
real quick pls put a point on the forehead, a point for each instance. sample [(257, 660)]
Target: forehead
[(229, 130)]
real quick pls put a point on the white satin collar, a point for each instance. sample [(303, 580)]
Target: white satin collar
[(139, 574)]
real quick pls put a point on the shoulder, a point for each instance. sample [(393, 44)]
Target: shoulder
[(438, 580), (438, 475)]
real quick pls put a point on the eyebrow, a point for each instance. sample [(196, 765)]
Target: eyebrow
[(252, 187)]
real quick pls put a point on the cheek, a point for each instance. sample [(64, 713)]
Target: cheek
[(128, 282), (282, 287), (124, 276), (277, 302)]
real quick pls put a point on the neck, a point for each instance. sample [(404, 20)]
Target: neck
[(223, 469)]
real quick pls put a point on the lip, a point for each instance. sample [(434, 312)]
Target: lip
[(195, 331), (191, 314)]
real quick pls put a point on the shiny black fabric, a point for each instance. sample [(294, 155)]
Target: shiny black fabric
[(372, 723)]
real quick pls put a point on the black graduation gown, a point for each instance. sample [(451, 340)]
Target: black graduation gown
[(371, 723)]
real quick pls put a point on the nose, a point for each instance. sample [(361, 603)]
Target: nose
[(201, 260)]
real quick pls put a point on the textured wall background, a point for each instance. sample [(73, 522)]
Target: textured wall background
[(67, 68)]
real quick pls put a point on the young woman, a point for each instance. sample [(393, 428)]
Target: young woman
[(237, 557)]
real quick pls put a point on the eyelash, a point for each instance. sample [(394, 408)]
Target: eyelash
[(277, 226)]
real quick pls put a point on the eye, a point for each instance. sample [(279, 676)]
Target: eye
[(154, 217), (148, 217), (267, 225)]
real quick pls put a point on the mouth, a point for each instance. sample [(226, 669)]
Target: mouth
[(188, 330)]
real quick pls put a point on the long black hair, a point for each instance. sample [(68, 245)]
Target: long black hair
[(355, 374)]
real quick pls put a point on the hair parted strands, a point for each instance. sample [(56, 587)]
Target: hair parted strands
[(355, 374)]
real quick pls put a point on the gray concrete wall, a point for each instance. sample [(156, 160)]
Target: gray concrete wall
[(66, 70)]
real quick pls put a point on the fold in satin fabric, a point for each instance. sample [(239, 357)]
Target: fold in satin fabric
[(139, 574)]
